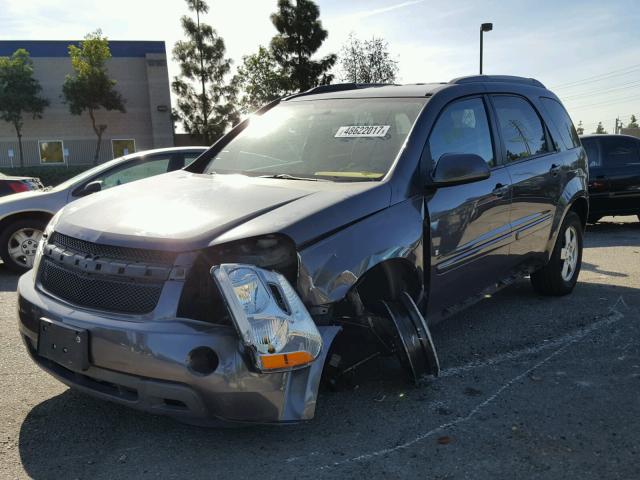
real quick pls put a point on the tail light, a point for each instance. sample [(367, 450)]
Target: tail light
[(18, 187)]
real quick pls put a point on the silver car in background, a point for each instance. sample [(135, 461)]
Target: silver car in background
[(24, 216)]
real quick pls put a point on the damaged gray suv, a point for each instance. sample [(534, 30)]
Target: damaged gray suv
[(332, 226)]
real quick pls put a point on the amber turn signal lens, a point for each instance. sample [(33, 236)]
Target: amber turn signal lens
[(285, 360)]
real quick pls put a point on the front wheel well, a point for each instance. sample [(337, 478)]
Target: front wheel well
[(387, 280), (38, 215)]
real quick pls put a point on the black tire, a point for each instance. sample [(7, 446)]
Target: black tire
[(29, 224), (549, 280)]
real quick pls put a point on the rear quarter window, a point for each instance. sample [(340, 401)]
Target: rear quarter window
[(620, 152), (564, 126)]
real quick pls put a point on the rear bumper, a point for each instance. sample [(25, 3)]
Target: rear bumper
[(143, 364)]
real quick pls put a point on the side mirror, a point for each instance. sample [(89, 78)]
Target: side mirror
[(92, 187), (459, 168)]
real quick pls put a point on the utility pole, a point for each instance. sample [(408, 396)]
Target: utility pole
[(485, 27)]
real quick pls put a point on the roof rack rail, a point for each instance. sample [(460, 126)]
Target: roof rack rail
[(336, 87), (497, 78)]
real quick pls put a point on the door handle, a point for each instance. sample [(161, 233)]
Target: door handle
[(500, 190)]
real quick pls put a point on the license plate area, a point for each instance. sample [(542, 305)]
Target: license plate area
[(64, 344)]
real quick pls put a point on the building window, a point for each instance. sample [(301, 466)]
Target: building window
[(123, 147), (51, 151)]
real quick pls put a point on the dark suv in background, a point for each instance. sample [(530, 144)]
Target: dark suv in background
[(614, 175), (329, 226)]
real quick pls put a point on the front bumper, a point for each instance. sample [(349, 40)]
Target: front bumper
[(143, 364)]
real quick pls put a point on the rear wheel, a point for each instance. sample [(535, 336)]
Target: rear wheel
[(560, 275), (19, 241)]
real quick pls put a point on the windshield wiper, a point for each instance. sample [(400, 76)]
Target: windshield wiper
[(286, 176)]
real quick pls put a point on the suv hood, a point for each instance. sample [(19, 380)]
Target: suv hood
[(183, 211)]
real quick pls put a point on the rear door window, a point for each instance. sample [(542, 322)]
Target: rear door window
[(462, 128), (561, 120), (522, 130)]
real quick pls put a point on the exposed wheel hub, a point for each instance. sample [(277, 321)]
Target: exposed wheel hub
[(413, 343)]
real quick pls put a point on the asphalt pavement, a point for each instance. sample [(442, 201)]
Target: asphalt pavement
[(531, 387)]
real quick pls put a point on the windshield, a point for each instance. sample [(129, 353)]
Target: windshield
[(340, 140)]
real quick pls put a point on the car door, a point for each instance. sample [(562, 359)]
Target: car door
[(469, 224), (621, 170), (536, 170)]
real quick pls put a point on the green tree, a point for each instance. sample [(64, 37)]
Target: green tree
[(367, 61), (580, 128), (19, 92), (260, 79), (600, 129), (210, 110), (300, 35), (90, 88), (633, 123)]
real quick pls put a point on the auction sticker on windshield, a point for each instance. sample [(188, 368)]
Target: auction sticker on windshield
[(352, 131)]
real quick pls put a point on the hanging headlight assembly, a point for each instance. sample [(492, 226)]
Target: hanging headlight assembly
[(271, 320)]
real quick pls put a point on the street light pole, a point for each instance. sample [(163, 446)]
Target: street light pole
[(485, 27)]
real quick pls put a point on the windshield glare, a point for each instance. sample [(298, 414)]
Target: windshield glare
[(340, 140)]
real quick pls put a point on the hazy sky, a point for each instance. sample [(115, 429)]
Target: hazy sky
[(586, 51)]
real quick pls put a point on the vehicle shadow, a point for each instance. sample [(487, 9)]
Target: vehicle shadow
[(590, 267), (8, 279), (76, 436), (612, 232)]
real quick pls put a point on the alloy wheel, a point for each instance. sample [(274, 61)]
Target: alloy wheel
[(23, 244), (569, 253)]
